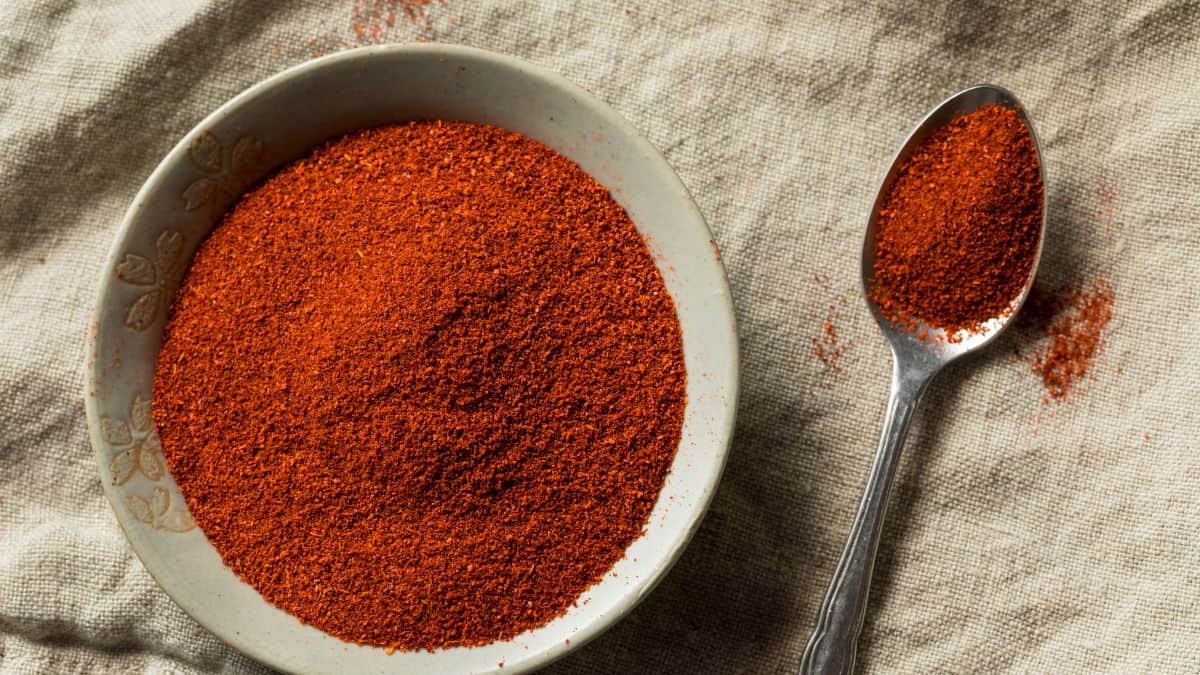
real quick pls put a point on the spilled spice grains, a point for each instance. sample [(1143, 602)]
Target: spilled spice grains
[(373, 18), (1071, 325), (374, 22), (422, 387), (827, 346), (959, 229)]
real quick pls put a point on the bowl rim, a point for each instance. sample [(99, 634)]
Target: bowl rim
[(722, 295)]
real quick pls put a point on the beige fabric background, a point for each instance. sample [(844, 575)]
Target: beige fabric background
[(1023, 538)]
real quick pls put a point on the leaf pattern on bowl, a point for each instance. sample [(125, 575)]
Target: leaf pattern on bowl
[(225, 175), (134, 452), (136, 449), (152, 275)]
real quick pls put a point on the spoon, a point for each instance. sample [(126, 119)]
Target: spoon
[(834, 641)]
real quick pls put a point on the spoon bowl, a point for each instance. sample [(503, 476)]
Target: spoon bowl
[(939, 347), (918, 353)]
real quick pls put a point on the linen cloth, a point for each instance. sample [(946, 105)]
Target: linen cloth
[(1023, 537)]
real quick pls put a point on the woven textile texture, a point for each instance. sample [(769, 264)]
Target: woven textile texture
[(1023, 537)]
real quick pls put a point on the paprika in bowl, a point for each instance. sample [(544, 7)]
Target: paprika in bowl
[(395, 91)]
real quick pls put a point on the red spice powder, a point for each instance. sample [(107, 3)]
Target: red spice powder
[(1071, 322), (372, 18), (958, 230), (423, 386), (827, 346)]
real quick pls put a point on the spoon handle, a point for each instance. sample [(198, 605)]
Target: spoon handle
[(831, 649)]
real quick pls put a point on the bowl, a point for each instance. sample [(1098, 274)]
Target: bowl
[(279, 120)]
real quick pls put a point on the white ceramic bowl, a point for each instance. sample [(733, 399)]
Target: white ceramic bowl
[(279, 120)]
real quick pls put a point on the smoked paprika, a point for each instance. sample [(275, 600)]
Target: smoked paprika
[(422, 387), (958, 231)]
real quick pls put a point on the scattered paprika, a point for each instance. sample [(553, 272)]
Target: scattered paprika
[(422, 387), (1071, 323)]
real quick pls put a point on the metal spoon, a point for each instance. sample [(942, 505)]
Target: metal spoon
[(834, 641)]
